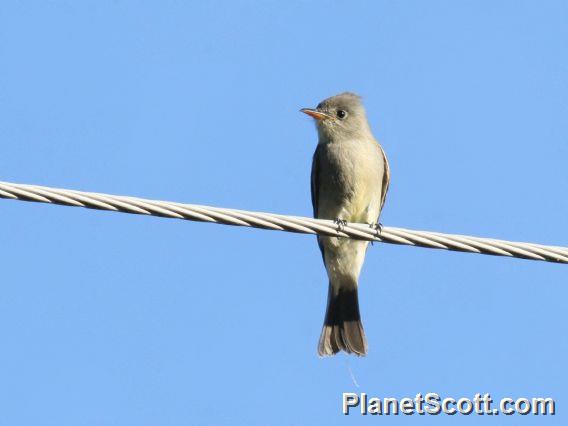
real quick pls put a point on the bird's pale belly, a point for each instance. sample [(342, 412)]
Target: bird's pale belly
[(352, 203), (354, 199)]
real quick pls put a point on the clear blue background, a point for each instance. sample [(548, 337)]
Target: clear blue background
[(118, 319)]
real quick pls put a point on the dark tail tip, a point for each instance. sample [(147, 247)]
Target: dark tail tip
[(342, 329)]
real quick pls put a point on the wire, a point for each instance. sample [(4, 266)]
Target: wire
[(277, 222)]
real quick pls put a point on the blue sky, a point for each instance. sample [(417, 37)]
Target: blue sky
[(119, 319)]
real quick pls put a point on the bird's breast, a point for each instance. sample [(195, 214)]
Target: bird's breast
[(350, 181)]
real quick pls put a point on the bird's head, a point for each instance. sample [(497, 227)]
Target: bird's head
[(340, 117)]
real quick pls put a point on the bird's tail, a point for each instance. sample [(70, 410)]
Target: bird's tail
[(342, 328)]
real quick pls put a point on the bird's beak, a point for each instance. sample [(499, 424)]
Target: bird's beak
[(318, 115)]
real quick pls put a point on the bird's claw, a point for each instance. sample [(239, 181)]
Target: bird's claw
[(378, 227), (341, 223)]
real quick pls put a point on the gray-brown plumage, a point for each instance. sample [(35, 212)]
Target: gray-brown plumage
[(350, 179)]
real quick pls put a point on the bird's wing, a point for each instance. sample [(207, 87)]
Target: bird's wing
[(315, 190), (386, 178), (315, 179)]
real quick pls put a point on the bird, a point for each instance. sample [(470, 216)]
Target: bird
[(349, 182)]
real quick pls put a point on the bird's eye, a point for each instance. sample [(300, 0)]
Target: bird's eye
[(341, 114)]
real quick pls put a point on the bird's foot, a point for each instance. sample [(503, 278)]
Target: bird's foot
[(341, 223), (378, 227)]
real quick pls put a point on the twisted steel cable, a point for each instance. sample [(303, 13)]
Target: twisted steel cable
[(305, 225)]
